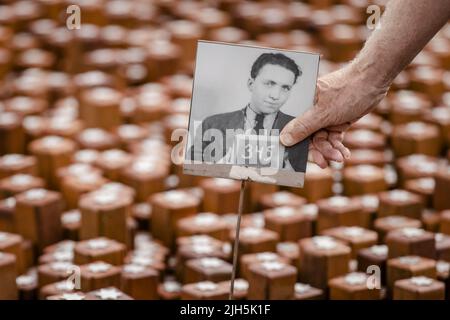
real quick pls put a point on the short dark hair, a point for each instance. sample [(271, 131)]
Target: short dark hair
[(277, 59)]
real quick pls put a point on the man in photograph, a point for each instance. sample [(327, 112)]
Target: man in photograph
[(272, 77)]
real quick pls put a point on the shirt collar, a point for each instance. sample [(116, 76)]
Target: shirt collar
[(251, 114)]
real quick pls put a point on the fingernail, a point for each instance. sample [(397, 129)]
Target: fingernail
[(286, 139), (348, 153)]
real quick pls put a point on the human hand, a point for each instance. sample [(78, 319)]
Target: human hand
[(342, 97)]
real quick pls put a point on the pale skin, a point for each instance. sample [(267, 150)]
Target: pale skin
[(271, 88), (344, 96)]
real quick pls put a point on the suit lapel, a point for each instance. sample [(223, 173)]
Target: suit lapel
[(279, 122), (276, 123), (240, 119)]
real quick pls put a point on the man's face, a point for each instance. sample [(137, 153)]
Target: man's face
[(271, 88)]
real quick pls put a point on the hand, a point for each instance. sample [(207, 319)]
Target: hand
[(342, 97)]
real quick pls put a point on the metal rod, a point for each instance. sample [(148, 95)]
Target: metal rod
[(236, 239)]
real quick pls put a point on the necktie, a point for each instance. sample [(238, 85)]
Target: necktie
[(259, 122)]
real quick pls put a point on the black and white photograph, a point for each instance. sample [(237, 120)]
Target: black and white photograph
[(243, 96)]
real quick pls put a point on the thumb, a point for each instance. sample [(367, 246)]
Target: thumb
[(301, 127)]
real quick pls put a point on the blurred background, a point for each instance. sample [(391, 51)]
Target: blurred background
[(87, 107)]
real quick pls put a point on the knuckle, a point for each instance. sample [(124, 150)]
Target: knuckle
[(300, 128)]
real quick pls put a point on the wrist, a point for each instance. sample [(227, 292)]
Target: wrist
[(370, 75)]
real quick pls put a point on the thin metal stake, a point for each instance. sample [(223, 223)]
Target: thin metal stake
[(236, 239)]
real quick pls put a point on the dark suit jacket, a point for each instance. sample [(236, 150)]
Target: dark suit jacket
[(297, 154)]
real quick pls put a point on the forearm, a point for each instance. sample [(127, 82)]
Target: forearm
[(406, 27)]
